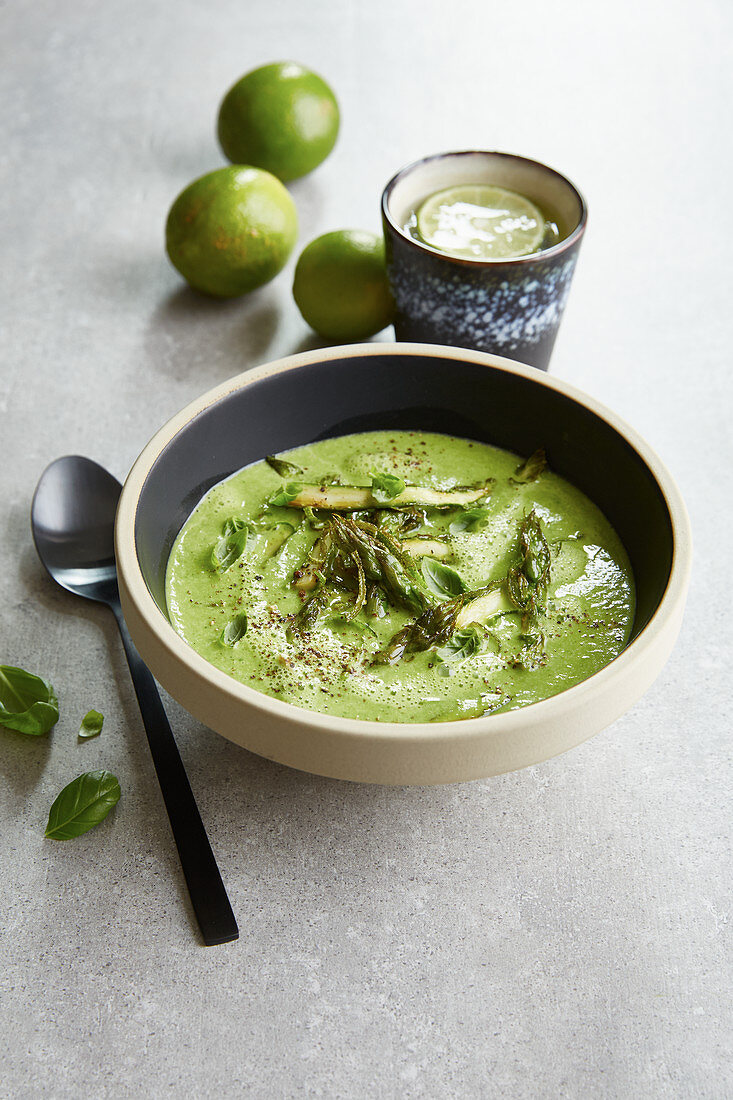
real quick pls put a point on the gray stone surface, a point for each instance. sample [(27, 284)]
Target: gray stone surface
[(559, 932)]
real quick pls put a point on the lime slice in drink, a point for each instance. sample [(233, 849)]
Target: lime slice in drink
[(481, 222)]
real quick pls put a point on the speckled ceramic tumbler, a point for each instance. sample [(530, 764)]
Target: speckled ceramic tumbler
[(507, 307)]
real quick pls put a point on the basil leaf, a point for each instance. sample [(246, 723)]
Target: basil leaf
[(441, 579), (317, 520), (233, 524), (28, 703), (234, 631), (282, 467), (91, 725), (232, 545), (461, 644), (82, 804), (531, 469), (471, 519), (386, 487), (285, 494)]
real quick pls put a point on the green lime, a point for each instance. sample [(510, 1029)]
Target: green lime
[(231, 230), (281, 117), (341, 286), (479, 221)]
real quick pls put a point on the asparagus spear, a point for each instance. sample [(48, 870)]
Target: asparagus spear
[(427, 548), (531, 468), (356, 556), (354, 498), (524, 588), (482, 608)]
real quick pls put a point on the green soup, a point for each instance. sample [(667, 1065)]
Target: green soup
[(402, 577)]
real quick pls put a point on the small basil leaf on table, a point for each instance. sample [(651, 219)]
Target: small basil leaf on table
[(28, 703), (285, 494), (441, 579), (471, 519), (386, 487), (91, 725), (282, 467), (82, 804), (234, 631)]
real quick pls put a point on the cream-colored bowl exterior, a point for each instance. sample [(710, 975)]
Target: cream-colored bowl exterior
[(382, 752)]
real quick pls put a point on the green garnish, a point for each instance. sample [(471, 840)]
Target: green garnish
[(233, 524), (525, 586), (282, 467), (285, 495), (532, 655), (531, 468), (317, 520), (386, 487), (425, 547), (355, 556), (91, 725), (431, 629), (527, 582), (234, 631), (237, 538), (356, 498), (82, 804), (441, 579), (462, 644), (28, 703)]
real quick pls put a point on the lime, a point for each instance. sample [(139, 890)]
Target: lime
[(480, 221), (341, 285), (231, 230), (281, 117)]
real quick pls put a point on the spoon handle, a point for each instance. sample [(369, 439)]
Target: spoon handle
[(208, 895)]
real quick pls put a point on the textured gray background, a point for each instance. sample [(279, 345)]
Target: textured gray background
[(559, 932)]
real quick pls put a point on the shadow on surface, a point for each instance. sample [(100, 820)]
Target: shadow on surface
[(295, 817), (195, 337)]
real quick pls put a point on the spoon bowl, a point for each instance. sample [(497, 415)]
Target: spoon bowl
[(72, 520)]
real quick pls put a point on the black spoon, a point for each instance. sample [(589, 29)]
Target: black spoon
[(72, 519)]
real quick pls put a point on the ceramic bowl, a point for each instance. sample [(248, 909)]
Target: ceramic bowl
[(362, 387)]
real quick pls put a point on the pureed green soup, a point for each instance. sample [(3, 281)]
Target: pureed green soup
[(402, 577)]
